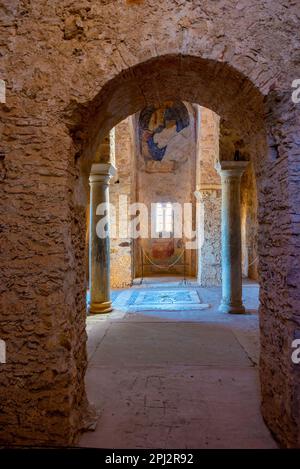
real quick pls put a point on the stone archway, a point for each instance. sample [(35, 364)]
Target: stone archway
[(50, 404), (242, 109)]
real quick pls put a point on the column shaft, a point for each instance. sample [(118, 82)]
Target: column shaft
[(231, 172), (99, 244)]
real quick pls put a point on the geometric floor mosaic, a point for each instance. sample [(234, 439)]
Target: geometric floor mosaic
[(155, 299)]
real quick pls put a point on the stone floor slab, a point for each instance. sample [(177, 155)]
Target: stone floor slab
[(176, 379), (168, 343), (179, 407)]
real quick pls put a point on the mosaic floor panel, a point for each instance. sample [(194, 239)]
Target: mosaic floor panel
[(167, 299)]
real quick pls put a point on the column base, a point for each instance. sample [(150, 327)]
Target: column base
[(100, 308), (231, 309)]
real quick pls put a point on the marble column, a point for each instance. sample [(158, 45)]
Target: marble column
[(231, 172), (99, 252)]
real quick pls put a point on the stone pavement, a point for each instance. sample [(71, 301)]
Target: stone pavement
[(176, 378)]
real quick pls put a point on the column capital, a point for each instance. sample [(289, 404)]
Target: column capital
[(231, 168), (102, 172)]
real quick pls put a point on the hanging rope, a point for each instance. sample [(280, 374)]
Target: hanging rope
[(249, 265), (159, 266), (168, 266)]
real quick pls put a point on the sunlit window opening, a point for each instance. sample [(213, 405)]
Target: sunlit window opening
[(164, 217)]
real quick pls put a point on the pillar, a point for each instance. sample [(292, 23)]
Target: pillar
[(231, 172), (208, 195), (99, 252), (209, 234)]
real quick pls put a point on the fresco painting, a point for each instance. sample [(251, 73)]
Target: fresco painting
[(166, 143), (159, 128)]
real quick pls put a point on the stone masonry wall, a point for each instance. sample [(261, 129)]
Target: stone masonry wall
[(209, 199), (279, 267), (73, 71)]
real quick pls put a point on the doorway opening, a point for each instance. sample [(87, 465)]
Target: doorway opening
[(240, 106)]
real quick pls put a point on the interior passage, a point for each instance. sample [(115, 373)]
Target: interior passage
[(164, 375)]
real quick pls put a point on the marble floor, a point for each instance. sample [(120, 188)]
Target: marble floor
[(168, 370)]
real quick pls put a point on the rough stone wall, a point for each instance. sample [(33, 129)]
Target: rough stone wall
[(209, 199), (209, 270), (73, 71), (42, 285), (279, 269), (122, 184)]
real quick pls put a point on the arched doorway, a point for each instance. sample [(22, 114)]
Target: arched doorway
[(246, 115), (55, 129)]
